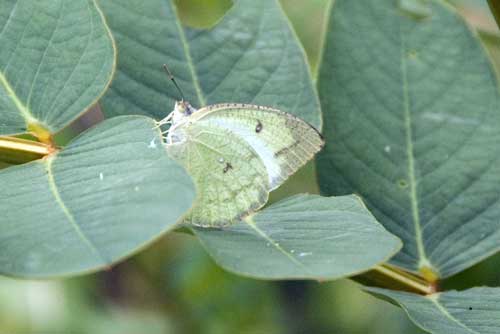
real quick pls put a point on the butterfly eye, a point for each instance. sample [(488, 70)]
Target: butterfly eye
[(189, 109)]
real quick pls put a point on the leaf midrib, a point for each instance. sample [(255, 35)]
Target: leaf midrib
[(249, 221), (423, 259), (435, 300), (25, 113), (187, 52), (71, 219), (23, 109)]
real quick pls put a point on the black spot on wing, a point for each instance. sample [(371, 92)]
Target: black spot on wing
[(227, 167), (258, 128)]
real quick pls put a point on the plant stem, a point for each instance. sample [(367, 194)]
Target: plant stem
[(495, 10), (16, 150), (388, 276), (406, 278)]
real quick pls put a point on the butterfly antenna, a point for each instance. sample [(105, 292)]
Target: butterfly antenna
[(172, 78)]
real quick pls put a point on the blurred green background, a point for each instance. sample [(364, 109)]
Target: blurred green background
[(174, 287)]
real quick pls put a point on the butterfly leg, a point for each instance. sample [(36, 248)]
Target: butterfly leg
[(166, 120), (165, 135)]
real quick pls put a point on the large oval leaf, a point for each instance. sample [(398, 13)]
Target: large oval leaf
[(412, 125), (111, 191), (305, 236), (56, 58), (473, 311), (251, 56)]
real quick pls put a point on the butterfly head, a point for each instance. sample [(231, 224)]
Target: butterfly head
[(183, 108)]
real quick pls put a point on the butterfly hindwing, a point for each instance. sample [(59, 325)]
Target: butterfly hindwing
[(230, 177)]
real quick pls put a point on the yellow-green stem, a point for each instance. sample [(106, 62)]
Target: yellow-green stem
[(406, 279), (495, 10), (16, 150), (390, 277)]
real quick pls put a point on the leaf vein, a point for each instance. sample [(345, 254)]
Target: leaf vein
[(71, 219)]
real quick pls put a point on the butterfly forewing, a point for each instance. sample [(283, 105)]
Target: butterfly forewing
[(283, 141), (230, 177)]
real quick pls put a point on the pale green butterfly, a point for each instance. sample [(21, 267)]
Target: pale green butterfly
[(236, 154)]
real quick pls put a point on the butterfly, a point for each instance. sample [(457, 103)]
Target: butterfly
[(236, 154)]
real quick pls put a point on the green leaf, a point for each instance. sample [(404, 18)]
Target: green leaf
[(473, 311), (201, 14), (412, 125), (251, 56), (304, 236), (110, 192), (56, 58), (418, 9)]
